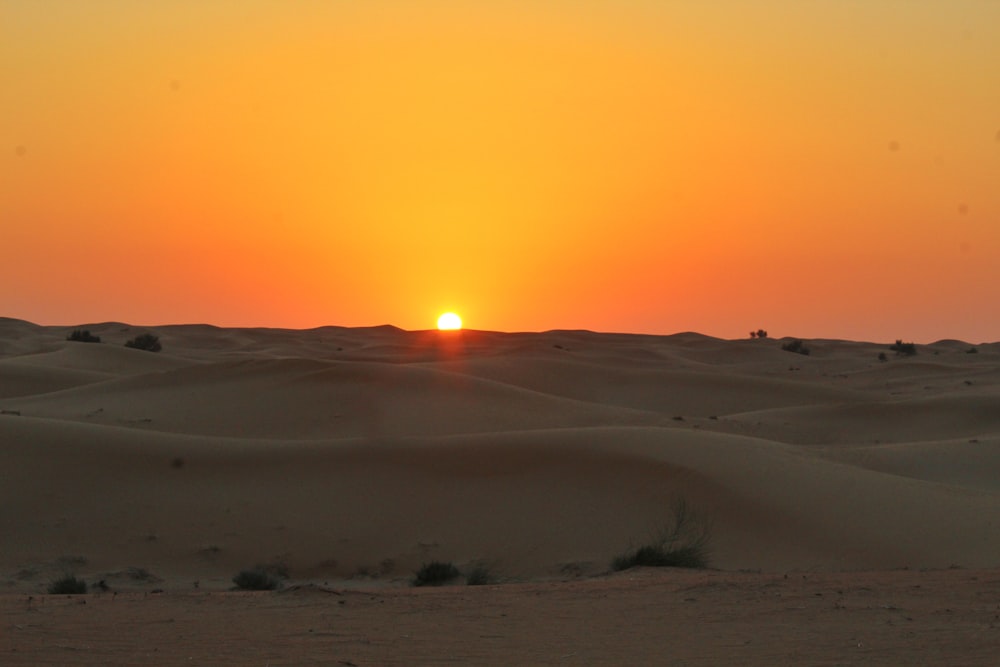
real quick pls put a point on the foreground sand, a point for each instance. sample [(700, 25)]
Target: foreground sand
[(642, 617), (351, 456)]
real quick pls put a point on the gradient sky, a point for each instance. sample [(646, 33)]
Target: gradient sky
[(818, 169)]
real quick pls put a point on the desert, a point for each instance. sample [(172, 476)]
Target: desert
[(849, 497), (715, 376)]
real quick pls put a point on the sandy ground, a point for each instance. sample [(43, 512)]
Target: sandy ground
[(853, 504), (641, 617)]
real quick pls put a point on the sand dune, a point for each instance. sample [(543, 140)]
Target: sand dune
[(967, 414), (971, 463), (357, 454), (18, 378), (531, 503), (298, 398), (649, 386)]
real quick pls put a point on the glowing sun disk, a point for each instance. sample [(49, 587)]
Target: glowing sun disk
[(449, 322)]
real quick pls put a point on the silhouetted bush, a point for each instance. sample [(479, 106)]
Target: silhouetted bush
[(905, 349), (68, 585), (972, 350), (435, 573), (260, 578), (145, 341), (882, 357), (479, 576), (682, 543), (657, 555), (83, 336), (796, 346), (759, 333)]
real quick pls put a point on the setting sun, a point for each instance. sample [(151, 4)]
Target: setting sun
[(449, 322)]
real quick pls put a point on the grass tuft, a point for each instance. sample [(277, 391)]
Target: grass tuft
[(260, 578), (480, 576), (435, 573), (796, 346), (68, 585), (146, 341), (83, 336), (683, 542), (903, 349)]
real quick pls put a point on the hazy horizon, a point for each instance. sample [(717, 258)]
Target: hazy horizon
[(770, 335)]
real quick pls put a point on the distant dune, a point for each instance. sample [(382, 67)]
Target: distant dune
[(347, 453)]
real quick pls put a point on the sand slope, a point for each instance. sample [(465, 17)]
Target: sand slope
[(357, 454)]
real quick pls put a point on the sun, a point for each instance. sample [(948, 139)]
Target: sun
[(449, 322)]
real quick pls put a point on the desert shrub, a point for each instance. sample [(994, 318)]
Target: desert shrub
[(68, 585), (658, 555), (972, 350), (759, 333), (683, 542), (901, 348), (83, 336), (882, 357), (479, 576), (796, 346), (259, 578), (435, 573), (145, 341)]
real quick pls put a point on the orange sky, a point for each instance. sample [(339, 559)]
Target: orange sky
[(820, 169)]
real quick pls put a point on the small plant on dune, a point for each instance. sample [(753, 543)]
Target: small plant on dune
[(68, 585), (259, 578), (657, 555), (904, 349), (83, 336), (796, 346), (146, 341), (972, 350), (683, 542), (759, 333), (435, 573), (479, 576), (882, 357)]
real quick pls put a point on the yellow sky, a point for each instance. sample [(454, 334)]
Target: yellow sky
[(816, 169)]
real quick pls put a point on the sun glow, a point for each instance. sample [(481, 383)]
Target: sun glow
[(449, 322)]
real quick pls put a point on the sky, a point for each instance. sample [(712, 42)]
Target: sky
[(826, 169)]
